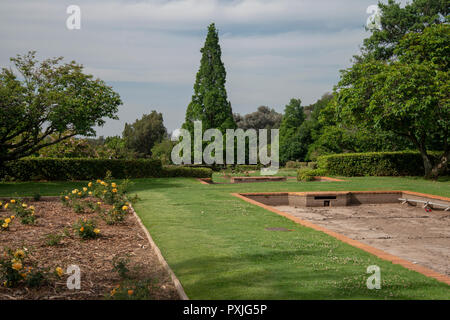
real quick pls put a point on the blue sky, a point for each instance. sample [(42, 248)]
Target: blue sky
[(148, 50)]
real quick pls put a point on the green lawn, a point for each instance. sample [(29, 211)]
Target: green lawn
[(219, 248)]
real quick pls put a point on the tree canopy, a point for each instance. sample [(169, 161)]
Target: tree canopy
[(144, 133), (46, 99), (209, 103), (408, 96)]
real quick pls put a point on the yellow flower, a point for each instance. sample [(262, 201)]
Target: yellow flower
[(19, 254), (81, 229), (31, 208), (130, 292), (124, 208), (114, 190), (66, 197), (113, 292), (23, 275), (24, 205), (7, 220), (5, 225), (90, 184), (113, 185), (79, 193), (96, 231), (74, 191), (12, 217), (59, 271), (13, 201), (6, 206), (104, 191), (99, 203), (84, 189), (17, 266), (99, 181), (1, 203), (90, 193)]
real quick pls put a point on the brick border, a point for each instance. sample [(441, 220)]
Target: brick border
[(181, 293), (377, 252)]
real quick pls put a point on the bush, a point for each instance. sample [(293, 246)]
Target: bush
[(79, 169), (299, 164), (406, 163), (88, 169), (308, 174), (180, 171)]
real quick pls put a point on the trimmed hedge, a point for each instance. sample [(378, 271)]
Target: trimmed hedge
[(406, 163), (179, 171), (87, 169), (298, 164), (308, 174)]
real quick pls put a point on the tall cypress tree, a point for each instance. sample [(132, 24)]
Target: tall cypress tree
[(209, 103)]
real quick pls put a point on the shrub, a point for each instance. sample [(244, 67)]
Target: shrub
[(181, 171), (15, 269), (299, 164), (21, 210), (406, 163), (308, 174), (79, 169), (86, 229)]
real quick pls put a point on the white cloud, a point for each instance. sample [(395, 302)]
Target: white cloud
[(273, 49)]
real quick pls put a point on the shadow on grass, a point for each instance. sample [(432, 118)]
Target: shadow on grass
[(277, 276)]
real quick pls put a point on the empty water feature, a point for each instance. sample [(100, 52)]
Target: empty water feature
[(412, 226)]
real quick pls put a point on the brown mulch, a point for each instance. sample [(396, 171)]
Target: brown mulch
[(94, 257)]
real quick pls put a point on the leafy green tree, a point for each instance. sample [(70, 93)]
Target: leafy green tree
[(49, 99), (142, 135), (163, 151), (209, 103), (291, 147), (263, 118), (397, 21), (408, 96)]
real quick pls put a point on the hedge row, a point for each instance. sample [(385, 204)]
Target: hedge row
[(406, 163), (299, 164), (308, 174), (178, 171), (88, 169)]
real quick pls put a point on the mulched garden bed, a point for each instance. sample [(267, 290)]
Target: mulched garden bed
[(94, 257)]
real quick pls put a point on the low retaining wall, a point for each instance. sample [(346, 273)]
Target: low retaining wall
[(345, 198), (256, 179)]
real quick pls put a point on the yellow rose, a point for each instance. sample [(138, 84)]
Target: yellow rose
[(99, 203), (84, 189), (90, 193), (81, 229), (66, 197), (90, 184), (124, 208), (130, 292), (96, 231), (113, 185), (7, 220), (79, 193), (6, 206), (12, 217), (5, 225), (31, 208), (24, 205), (74, 191), (1, 203), (17, 266), (13, 201), (114, 190), (19, 254), (59, 271)]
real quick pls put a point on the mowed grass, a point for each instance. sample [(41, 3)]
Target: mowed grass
[(219, 247)]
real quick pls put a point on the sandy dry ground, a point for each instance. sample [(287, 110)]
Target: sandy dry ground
[(406, 231)]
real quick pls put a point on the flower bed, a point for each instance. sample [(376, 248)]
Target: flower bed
[(85, 228)]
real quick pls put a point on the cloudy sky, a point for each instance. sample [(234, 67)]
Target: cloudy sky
[(148, 50)]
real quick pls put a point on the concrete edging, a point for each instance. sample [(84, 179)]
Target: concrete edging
[(161, 259), (377, 252)]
